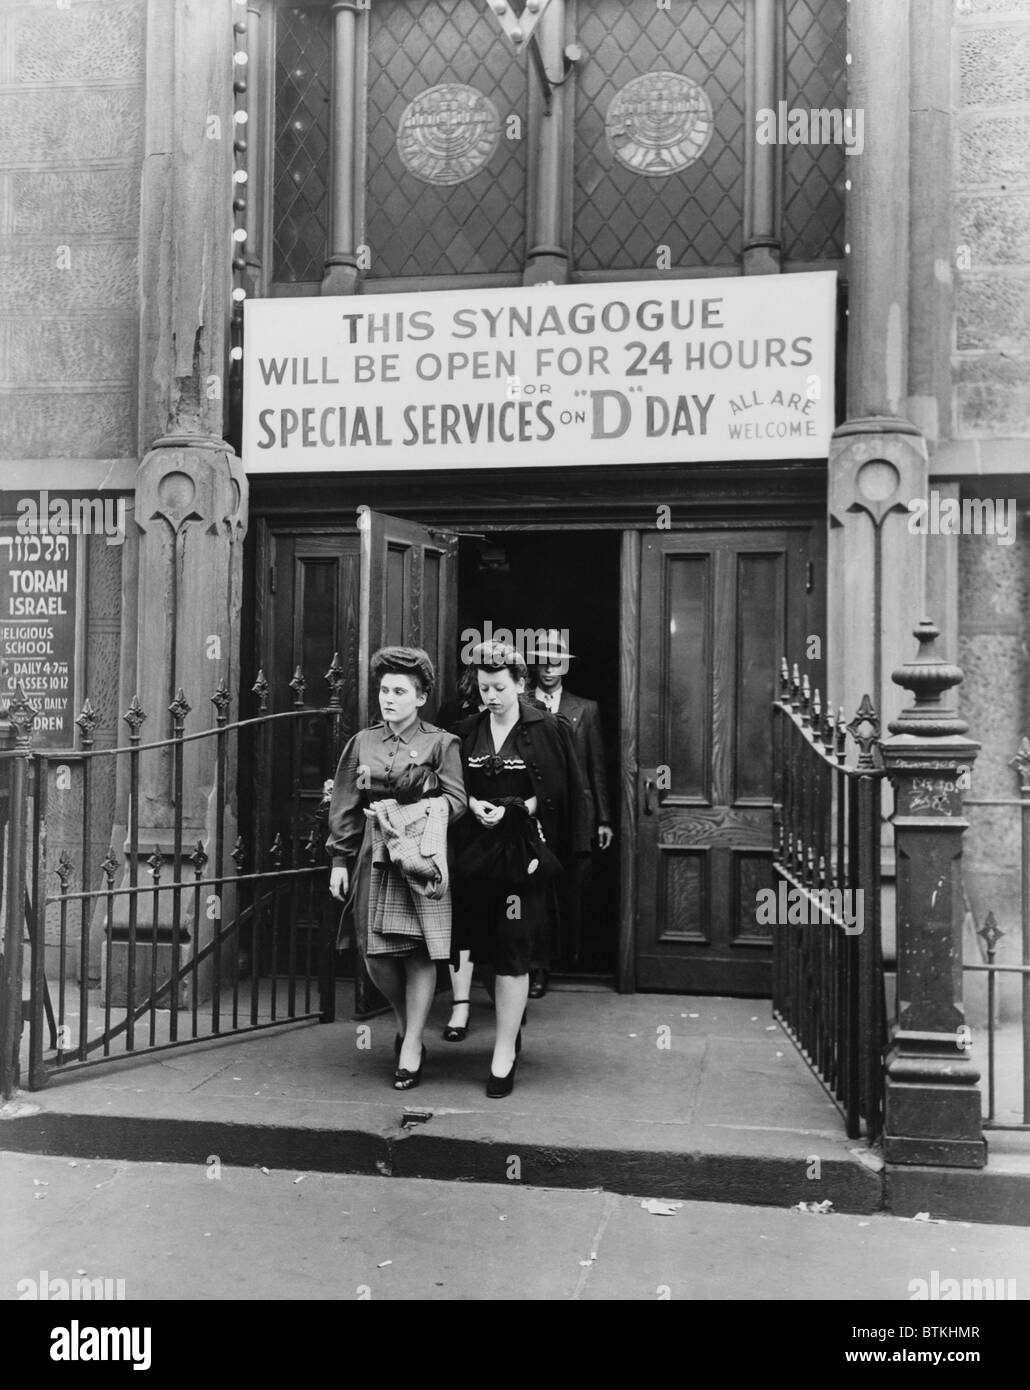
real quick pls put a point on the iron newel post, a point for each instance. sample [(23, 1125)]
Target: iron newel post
[(932, 1102)]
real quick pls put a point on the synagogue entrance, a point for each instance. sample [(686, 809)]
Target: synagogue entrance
[(676, 635)]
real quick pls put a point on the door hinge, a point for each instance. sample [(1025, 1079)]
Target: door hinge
[(809, 577), (271, 579)]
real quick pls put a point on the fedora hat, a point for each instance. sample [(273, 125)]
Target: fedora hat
[(553, 648)]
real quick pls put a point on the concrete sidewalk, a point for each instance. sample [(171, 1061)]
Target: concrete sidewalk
[(728, 1111)]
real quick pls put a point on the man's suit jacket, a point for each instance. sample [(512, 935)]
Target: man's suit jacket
[(584, 719)]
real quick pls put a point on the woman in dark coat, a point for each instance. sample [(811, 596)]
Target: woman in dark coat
[(517, 759)]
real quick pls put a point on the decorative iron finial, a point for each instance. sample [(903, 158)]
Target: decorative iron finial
[(928, 676), (155, 864), (1021, 762), (817, 716), (260, 689), (865, 730), (198, 859), (87, 722), (134, 716), (806, 701), (239, 854), (829, 728), (298, 685), (22, 716), (109, 867), (64, 870), (991, 933), (220, 700), (334, 676), (179, 708), (276, 852), (784, 679), (795, 686)]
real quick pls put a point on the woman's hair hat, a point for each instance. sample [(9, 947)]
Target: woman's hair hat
[(405, 661), (498, 656)]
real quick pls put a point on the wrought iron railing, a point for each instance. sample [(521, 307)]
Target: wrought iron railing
[(991, 934), (194, 942), (828, 989)]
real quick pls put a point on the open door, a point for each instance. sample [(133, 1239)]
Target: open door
[(409, 597)]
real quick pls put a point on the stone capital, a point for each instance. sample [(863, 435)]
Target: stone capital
[(877, 465), (187, 479)]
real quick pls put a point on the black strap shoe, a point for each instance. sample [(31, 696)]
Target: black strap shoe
[(404, 1080), (452, 1033), (538, 983)]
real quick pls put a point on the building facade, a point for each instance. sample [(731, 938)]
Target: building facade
[(164, 166)]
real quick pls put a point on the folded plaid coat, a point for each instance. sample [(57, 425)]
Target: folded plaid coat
[(409, 891)]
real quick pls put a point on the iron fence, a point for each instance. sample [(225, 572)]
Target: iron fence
[(991, 934), (828, 984), (199, 939)]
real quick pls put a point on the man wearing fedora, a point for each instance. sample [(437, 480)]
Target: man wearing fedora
[(550, 665)]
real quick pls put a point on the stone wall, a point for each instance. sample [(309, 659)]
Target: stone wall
[(992, 402), (992, 225), (71, 147), (994, 600), (71, 128)]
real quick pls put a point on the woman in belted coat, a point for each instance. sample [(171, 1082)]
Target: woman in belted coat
[(376, 766), (517, 758)]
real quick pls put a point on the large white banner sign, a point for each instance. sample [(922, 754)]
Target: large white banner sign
[(684, 371)]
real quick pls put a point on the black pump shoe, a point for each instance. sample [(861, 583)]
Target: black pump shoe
[(404, 1080), (499, 1086), (452, 1033)]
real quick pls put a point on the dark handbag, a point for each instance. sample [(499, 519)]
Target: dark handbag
[(512, 853)]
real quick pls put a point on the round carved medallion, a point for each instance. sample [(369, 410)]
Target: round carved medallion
[(659, 123), (448, 134)]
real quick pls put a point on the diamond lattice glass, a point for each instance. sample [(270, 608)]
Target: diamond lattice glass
[(419, 228), (813, 176), (303, 63), (621, 217)]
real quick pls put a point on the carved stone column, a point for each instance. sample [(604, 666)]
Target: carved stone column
[(875, 565), (878, 209), (878, 460), (345, 196), (932, 1102), (191, 492)]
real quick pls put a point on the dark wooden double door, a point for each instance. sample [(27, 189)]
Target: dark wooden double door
[(708, 614), (718, 611)]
